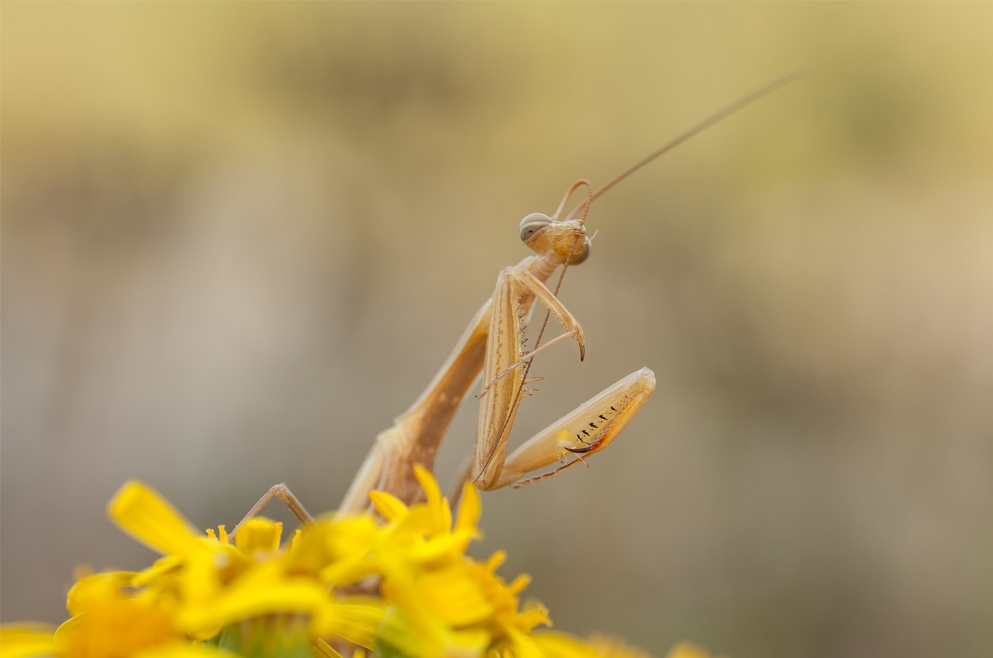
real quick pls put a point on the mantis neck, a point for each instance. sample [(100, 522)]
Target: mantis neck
[(540, 266)]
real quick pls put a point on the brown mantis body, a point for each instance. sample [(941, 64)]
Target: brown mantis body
[(493, 345)]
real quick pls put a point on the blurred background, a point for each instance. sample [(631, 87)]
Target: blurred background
[(237, 239)]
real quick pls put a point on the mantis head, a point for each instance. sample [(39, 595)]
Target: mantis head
[(555, 240)]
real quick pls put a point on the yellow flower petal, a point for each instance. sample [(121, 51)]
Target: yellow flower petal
[(391, 507), (344, 572), (436, 502), (205, 574), (146, 516), (345, 538), (66, 629), (533, 614), (519, 584), (495, 560), (469, 509), (410, 633), (444, 515), (324, 650), (467, 644), (96, 589), (453, 597), (420, 522), (446, 546), (24, 640), (259, 534), (260, 592), (354, 622), (159, 568), (116, 626), (524, 646), (183, 649), (426, 479)]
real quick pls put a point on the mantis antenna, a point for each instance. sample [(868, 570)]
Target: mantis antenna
[(714, 118)]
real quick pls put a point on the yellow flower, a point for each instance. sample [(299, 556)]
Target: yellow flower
[(444, 603), (205, 583), (355, 621), (423, 597), (356, 547), (25, 640), (262, 590), (259, 537), (109, 623), (94, 590), (146, 516)]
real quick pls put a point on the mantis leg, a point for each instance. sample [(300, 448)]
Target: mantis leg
[(416, 435), (585, 431), (282, 492), (504, 366)]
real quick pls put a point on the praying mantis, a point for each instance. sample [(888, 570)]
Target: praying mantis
[(494, 345)]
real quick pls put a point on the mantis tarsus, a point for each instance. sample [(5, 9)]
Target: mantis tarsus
[(493, 344)]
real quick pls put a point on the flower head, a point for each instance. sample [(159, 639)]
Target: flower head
[(399, 585)]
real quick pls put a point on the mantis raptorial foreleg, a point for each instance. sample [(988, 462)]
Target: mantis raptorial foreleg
[(416, 435), (583, 432), (505, 352)]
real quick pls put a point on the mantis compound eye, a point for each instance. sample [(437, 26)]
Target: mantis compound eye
[(532, 224)]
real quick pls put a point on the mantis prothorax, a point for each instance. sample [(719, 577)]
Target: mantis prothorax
[(493, 344)]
